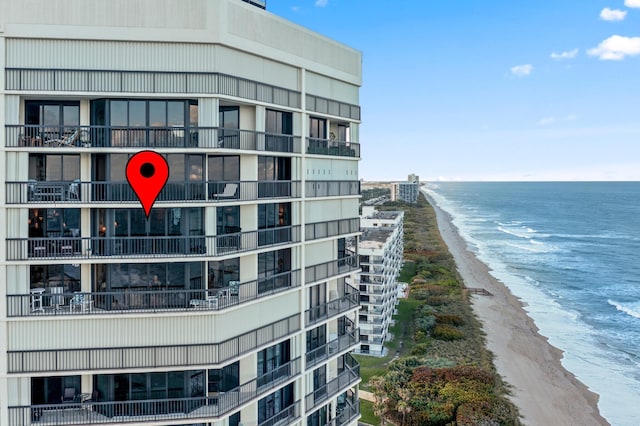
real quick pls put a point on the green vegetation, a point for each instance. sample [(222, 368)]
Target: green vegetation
[(366, 410), (441, 372)]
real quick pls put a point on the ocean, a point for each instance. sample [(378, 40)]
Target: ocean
[(571, 252)]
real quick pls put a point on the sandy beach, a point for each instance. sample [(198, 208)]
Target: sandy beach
[(544, 391)]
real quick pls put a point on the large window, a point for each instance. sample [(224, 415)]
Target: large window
[(278, 128), (274, 403), (54, 167), (54, 223), (273, 268), (50, 390), (270, 218), (223, 175), (229, 123), (223, 272), (52, 119), (270, 359), (223, 379), (140, 122), (316, 337), (53, 276)]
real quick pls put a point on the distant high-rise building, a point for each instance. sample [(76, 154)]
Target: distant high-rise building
[(381, 251), (413, 178), (229, 305), (405, 191)]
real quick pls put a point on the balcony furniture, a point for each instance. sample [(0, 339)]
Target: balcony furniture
[(209, 302), (57, 299), (67, 140), (69, 395), (81, 301), (224, 295), (234, 288), (36, 299), (73, 193), (45, 191), (229, 191)]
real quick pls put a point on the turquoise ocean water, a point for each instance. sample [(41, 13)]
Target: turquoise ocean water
[(571, 251)]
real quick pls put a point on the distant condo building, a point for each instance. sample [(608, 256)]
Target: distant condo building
[(381, 255), (230, 304)]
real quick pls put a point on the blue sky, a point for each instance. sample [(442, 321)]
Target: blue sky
[(493, 89)]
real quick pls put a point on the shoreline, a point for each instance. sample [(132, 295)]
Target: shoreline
[(542, 389)]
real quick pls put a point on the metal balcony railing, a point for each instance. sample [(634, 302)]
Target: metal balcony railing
[(180, 137), (69, 248), (332, 147), (107, 192), (331, 188), (332, 268), (285, 416), (333, 308), (82, 413), (331, 228), (349, 377), (327, 350), (146, 301)]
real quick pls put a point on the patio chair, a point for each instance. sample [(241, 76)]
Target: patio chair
[(229, 191), (73, 193), (69, 396), (68, 140)]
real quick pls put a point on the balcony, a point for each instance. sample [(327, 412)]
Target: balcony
[(144, 301), (70, 248), (332, 308), (347, 378), (139, 411), (332, 228), (335, 346), (84, 137), (331, 188), (286, 416), (332, 147), (332, 268), (107, 192)]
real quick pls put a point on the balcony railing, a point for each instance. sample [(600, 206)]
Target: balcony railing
[(332, 228), (77, 192), (167, 356), (349, 377), (332, 308), (152, 410), (147, 301), (340, 344), (285, 416), (149, 246), (332, 147), (33, 136), (331, 188), (332, 268)]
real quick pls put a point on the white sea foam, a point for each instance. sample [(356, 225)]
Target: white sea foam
[(631, 309)]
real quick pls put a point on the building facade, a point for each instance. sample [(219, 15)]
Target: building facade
[(405, 191), (229, 305), (381, 249)]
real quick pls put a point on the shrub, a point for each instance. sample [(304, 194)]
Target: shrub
[(437, 300), (446, 332), (449, 319), (420, 348), (425, 323)]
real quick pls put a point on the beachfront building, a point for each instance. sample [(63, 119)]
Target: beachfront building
[(405, 191), (229, 304), (381, 255)]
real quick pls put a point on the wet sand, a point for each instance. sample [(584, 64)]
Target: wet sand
[(544, 391)]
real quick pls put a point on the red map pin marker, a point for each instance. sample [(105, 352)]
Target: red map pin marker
[(147, 173)]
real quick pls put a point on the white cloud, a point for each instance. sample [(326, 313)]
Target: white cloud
[(295, 8), (616, 47), (522, 70), (321, 3), (569, 54), (613, 14), (632, 3), (546, 121)]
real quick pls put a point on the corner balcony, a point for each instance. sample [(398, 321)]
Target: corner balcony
[(332, 268), (80, 138), (156, 247), (350, 376), (323, 352), (144, 301), (89, 412), (331, 188), (334, 148), (333, 307), (108, 192)]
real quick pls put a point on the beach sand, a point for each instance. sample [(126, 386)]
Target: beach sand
[(544, 391)]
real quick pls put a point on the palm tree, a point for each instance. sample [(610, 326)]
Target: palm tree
[(379, 398)]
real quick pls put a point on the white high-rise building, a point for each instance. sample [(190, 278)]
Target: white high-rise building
[(381, 250), (229, 305)]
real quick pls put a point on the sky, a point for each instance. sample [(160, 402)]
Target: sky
[(491, 89)]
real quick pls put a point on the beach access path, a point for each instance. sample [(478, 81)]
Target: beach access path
[(543, 390)]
